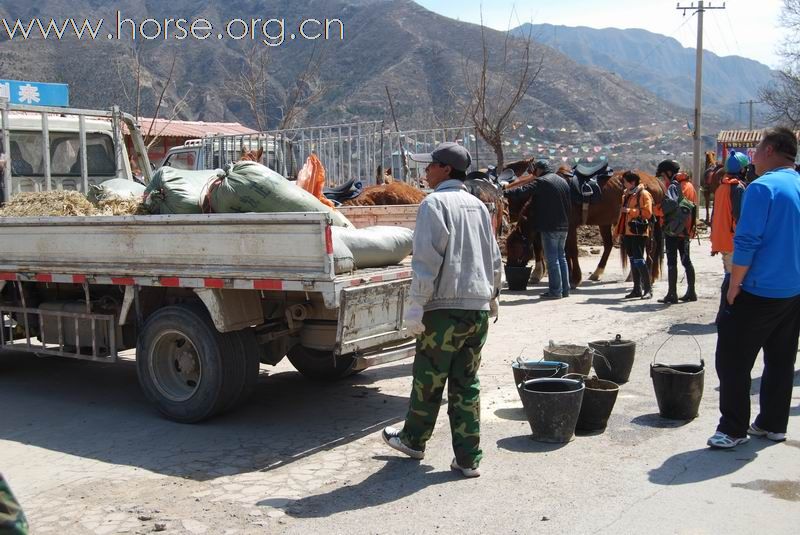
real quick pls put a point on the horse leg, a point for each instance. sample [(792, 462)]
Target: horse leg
[(707, 201), (573, 264), (608, 246), (538, 259)]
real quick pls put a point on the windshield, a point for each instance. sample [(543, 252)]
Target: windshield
[(26, 154)]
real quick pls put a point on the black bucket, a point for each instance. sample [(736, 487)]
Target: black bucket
[(517, 278), (598, 402), (552, 407), (617, 361), (579, 357), (538, 369), (679, 387)]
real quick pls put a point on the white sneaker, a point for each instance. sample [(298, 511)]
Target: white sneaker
[(466, 472), (722, 441), (391, 436), (758, 432)]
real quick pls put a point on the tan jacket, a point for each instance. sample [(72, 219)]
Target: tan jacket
[(640, 203)]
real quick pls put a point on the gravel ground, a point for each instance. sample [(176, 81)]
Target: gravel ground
[(86, 454)]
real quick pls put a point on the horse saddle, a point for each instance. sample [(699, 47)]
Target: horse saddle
[(349, 190), (586, 185)]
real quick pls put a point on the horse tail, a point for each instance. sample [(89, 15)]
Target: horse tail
[(623, 255), (658, 250)]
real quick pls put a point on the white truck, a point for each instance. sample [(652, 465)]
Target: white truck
[(204, 299)]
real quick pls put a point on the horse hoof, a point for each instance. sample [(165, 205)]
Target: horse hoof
[(534, 280), (594, 277)]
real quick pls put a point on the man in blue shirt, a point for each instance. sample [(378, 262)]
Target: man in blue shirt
[(762, 309)]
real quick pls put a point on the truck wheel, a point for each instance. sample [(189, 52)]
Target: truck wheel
[(320, 365), (248, 350), (186, 367)]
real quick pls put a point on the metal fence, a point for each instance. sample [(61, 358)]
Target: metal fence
[(359, 151), (346, 151)]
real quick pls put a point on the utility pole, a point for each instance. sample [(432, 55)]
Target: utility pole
[(750, 102), (700, 9)]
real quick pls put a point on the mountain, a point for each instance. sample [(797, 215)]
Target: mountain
[(660, 64), (419, 55)]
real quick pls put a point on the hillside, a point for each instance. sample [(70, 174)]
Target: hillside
[(420, 55), (660, 64)]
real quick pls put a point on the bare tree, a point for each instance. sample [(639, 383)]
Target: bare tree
[(253, 85), (134, 95), (784, 96), (307, 89), (496, 86)]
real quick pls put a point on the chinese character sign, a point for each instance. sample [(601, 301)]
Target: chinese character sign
[(34, 93)]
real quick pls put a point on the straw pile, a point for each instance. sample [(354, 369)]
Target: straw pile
[(65, 204)]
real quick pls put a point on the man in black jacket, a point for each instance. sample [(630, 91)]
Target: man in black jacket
[(549, 210)]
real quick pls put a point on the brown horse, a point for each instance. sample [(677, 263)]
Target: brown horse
[(251, 155), (712, 177), (604, 214)]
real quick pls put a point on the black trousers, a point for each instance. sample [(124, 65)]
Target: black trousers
[(634, 246), (676, 246), (753, 323)]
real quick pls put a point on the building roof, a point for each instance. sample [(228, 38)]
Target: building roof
[(747, 137), (189, 129)]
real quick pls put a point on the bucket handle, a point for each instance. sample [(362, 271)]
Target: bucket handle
[(596, 353), (555, 371), (670, 337), (581, 379)]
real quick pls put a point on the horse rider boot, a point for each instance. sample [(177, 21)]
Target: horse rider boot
[(636, 293), (672, 292), (644, 277), (690, 294)]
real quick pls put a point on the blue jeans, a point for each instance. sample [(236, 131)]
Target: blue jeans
[(555, 255)]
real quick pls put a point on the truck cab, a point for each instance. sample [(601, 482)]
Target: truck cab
[(208, 153), (40, 150)]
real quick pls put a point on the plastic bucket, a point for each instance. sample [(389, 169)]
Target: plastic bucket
[(539, 369), (678, 387), (618, 359), (552, 407), (579, 357), (598, 402), (517, 278)]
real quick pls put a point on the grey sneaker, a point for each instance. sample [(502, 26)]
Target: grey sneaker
[(466, 472), (756, 431), (391, 436)]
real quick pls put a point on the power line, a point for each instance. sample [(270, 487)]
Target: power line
[(698, 84), (750, 102)]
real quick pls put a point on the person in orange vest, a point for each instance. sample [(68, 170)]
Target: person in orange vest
[(727, 207), (633, 226), (678, 185)]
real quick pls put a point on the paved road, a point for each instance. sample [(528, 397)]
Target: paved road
[(87, 454)]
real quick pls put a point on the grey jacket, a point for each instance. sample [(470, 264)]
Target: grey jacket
[(456, 259)]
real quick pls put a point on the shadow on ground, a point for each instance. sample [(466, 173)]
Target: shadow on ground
[(97, 411), (525, 444), (397, 479), (706, 464)]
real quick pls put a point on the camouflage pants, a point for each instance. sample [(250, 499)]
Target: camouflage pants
[(449, 351), (12, 519)]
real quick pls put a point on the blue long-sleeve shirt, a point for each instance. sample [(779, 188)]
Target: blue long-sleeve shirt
[(768, 235)]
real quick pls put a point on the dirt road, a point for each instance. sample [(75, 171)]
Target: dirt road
[(87, 455)]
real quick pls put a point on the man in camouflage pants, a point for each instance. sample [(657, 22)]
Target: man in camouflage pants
[(12, 519), (454, 291)]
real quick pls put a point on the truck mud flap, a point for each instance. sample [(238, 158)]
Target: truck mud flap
[(371, 316)]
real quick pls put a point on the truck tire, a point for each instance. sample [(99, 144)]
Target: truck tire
[(188, 369), (249, 351), (320, 365)]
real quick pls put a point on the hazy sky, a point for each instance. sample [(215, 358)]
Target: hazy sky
[(757, 32)]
